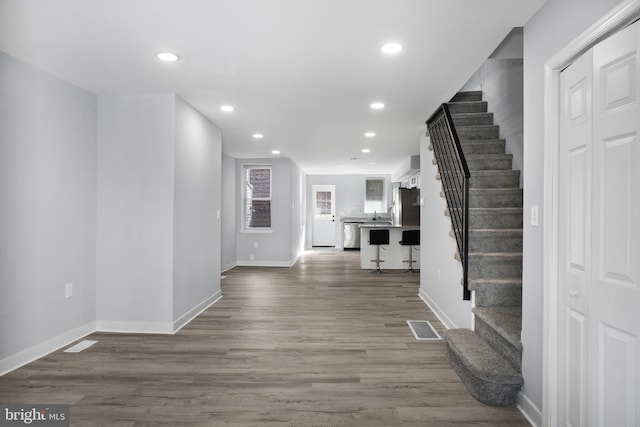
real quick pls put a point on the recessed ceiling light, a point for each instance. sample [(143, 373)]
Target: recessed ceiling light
[(258, 135), (366, 150), (227, 108), (377, 105), (372, 163), (370, 134), (167, 56), (391, 48), (275, 151)]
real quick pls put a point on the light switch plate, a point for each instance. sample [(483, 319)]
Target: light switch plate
[(534, 215)]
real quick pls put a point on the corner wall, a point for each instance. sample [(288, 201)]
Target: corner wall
[(230, 226), (135, 213), (48, 146), (197, 212)]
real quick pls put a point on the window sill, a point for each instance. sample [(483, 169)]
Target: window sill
[(256, 231)]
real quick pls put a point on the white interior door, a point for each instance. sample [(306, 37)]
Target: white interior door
[(323, 231), (599, 348), (575, 241)]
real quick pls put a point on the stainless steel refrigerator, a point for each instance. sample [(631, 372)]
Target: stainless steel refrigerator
[(406, 206)]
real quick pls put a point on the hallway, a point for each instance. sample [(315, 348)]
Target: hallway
[(321, 343)]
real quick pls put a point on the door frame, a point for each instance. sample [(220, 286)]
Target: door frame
[(323, 187), (619, 17)]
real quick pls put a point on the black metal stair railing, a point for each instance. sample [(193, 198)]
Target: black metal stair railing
[(454, 174)]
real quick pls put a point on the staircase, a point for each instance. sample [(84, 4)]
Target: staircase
[(488, 360)]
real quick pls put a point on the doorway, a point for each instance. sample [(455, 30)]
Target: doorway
[(323, 231)]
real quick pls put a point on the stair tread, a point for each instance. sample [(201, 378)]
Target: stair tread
[(495, 281), (495, 172), (481, 141), (480, 358), (506, 321), (494, 231), (496, 190), (488, 156)]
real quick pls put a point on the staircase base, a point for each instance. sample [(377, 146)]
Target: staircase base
[(488, 376)]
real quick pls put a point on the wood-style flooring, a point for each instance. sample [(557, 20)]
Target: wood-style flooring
[(320, 344)]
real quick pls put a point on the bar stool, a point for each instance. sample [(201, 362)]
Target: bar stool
[(410, 238), (378, 237)]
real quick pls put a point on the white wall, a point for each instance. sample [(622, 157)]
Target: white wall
[(230, 224), (279, 246), (135, 211), (48, 211), (501, 79), (552, 28), (197, 204), (440, 272), (159, 191)]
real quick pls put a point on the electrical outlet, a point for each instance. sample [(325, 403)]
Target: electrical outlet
[(534, 215), (251, 257), (255, 245), (218, 214), (68, 290)]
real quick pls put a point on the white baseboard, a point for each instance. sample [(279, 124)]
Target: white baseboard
[(134, 327), (530, 411), (28, 355), (228, 267), (195, 311), (257, 263), (444, 319)]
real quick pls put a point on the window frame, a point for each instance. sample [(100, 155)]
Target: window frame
[(245, 228)]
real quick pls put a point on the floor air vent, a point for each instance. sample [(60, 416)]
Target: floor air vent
[(423, 330)]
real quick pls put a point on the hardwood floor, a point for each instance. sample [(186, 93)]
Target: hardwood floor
[(320, 344)]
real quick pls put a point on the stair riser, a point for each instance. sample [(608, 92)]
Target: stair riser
[(495, 267), (468, 96), (493, 220), (496, 200), (484, 147), (494, 181), (501, 163), (474, 119), (498, 296), (467, 107), (486, 392), (478, 132), (495, 244), (512, 354)]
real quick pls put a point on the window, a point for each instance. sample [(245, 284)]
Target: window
[(374, 195), (257, 197)]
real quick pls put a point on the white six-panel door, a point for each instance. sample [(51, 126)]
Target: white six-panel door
[(600, 236)]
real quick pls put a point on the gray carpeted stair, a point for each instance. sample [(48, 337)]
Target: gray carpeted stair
[(488, 360)]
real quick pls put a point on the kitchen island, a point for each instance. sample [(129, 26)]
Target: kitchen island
[(392, 254)]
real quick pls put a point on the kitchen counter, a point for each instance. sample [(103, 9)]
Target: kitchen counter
[(392, 254)]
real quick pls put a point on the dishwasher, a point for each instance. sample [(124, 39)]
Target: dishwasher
[(351, 235)]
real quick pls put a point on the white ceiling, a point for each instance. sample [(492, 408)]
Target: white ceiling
[(302, 72)]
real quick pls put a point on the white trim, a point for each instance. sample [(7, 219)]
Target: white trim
[(530, 411), (621, 15), (196, 311), (134, 327), (228, 267), (440, 314), (257, 263), (31, 354)]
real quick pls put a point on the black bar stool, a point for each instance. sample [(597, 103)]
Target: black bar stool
[(378, 237), (410, 238)]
